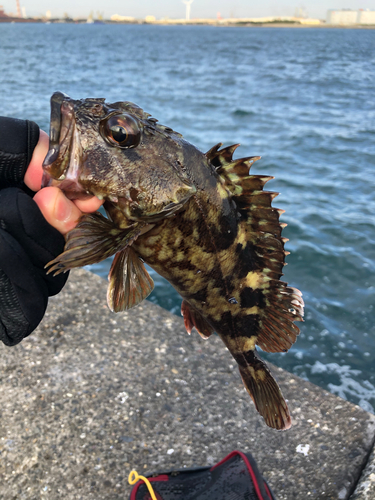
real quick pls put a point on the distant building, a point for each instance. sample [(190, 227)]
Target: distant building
[(366, 17), (342, 17), (2, 12), (309, 20), (347, 17), (122, 19)]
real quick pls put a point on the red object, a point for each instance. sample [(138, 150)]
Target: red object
[(237, 470)]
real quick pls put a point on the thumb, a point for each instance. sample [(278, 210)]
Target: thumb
[(60, 212)]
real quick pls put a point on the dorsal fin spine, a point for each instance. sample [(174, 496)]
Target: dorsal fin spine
[(211, 153)]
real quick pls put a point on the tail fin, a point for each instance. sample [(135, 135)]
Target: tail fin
[(264, 391)]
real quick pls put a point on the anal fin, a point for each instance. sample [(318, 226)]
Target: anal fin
[(193, 319), (129, 282)]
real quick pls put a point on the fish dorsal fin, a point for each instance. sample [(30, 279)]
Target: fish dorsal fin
[(235, 173), (192, 319), (222, 160), (260, 221), (247, 192), (129, 282)]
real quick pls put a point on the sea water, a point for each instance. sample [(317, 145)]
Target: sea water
[(303, 99)]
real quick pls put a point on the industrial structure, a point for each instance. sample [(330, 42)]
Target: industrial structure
[(19, 17), (347, 17), (343, 17), (188, 7)]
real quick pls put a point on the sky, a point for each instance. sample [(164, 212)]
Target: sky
[(176, 9)]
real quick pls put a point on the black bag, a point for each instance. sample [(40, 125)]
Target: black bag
[(236, 477)]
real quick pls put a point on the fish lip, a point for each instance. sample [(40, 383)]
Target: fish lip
[(63, 160), (61, 130), (57, 99)]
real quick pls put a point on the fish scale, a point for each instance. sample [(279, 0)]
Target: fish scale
[(202, 221)]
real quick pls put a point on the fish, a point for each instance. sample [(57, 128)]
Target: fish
[(200, 220)]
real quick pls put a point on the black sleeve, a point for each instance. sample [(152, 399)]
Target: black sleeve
[(18, 139), (27, 241)]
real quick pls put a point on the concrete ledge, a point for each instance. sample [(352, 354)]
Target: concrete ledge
[(91, 395), (366, 486)]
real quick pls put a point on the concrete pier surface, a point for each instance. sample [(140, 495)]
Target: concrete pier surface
[(91, 395)]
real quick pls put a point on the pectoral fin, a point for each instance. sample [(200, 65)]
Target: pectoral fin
[(129, 282), (192, 319), (94, 239)]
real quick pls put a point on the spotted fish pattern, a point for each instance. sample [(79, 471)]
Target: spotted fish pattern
[(216, 238)]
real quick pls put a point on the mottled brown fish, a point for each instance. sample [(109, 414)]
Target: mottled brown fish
[(200, 220)]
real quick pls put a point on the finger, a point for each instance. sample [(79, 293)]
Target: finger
[(34, 172), (60, 212), (89, 205)]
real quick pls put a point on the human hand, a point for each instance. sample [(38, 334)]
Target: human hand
[(30, 229), (61, 213)]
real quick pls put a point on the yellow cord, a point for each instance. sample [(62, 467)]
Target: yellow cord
[(134, 477)]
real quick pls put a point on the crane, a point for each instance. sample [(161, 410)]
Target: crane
[(18, 8)]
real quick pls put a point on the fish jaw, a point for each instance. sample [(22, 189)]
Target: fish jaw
[(64, 158)]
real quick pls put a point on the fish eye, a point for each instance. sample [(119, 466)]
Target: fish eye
[(122, 131)]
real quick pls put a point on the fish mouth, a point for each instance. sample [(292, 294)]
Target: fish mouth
[(62, 163)]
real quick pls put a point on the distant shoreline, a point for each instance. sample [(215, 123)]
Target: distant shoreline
[(16, 20)]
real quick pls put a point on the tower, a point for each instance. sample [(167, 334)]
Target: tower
[(18, 8), (188, 5)]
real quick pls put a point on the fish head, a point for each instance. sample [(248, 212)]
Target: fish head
[(118, 153)]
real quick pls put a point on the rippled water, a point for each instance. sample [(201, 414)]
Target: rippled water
[(303, 99)]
